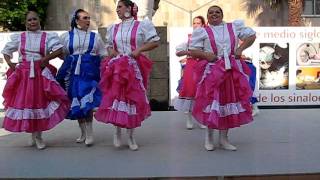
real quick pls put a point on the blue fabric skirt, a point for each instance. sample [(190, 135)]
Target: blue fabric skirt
[(82, 89), (252, 80)]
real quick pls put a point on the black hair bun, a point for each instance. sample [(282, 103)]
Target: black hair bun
[(32, 7)]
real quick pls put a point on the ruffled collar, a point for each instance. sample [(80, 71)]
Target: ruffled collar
[(34, 32), (221, 24), (80, 31), (129, 20)]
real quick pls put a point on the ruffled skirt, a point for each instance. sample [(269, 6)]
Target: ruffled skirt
[(188, 87), (82, 89), (252, 81), (222, 99), (33, 104), (123, 84)]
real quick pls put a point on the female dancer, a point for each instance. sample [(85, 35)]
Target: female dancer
[(33, 100), (222, 99), (125, 73), (187, 89), (253, 82), (80, 72)]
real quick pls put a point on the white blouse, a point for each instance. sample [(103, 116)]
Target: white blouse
[(200, 39), (182, 47), (32, 49), (146, 32), (81, 41)]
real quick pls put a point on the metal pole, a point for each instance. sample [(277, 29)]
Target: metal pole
[(175, 5), (186, 10), (203, 5), (190, 16)]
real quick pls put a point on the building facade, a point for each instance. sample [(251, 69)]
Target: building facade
[(179, 13)]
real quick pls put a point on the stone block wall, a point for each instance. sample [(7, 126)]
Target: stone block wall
[(159, 81)]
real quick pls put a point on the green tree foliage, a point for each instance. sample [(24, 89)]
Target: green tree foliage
[(12, 13)]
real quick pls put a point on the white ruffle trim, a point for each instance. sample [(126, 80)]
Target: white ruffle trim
[(75, 102), (206, 72), (184, 105), (124, 107), (226, 110), (23, 114), (241, 69), (48, 75), (133, 63), (86, 99)]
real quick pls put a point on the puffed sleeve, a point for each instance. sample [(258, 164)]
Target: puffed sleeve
[(64, 39), (242, 30), (109, 36), (101, 49), (182, 47), (53, 43), (197, 39), (11, 46), (149, 31)]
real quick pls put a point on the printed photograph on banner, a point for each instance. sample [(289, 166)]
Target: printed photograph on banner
[(308, 78), (274, 66), (308, 54)]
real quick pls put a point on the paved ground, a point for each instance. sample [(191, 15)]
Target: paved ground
[(277, 142)]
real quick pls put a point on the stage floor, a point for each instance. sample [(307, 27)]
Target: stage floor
[(277, 142)]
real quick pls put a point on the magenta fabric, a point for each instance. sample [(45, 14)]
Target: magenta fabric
[(220, 88), (121, 84)]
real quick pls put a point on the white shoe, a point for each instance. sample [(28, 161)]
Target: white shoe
[(89, 134), (202, 126), (209, 146), (209, 140), (32, 140), (189, 122), (39, 141), (131, 141), (82, 136), (255, 110), (132, 144), (117, 138), (227, 146), (223, 141)]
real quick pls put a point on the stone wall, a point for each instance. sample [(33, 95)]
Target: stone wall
[(159, 82), (171, 13)]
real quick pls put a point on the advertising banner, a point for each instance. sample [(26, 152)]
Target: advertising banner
[(287, 60)]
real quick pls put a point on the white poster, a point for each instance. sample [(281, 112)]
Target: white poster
[(287, 61), (178, 37)]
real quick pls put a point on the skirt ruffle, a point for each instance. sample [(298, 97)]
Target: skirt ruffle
[(33, 104), (188, 87), (124, 81), (252, 81), (82, 89), (223, 96)]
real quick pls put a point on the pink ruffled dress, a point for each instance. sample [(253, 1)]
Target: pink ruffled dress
[(33, 99), (223, 94), (124, 81), (188, 85)]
